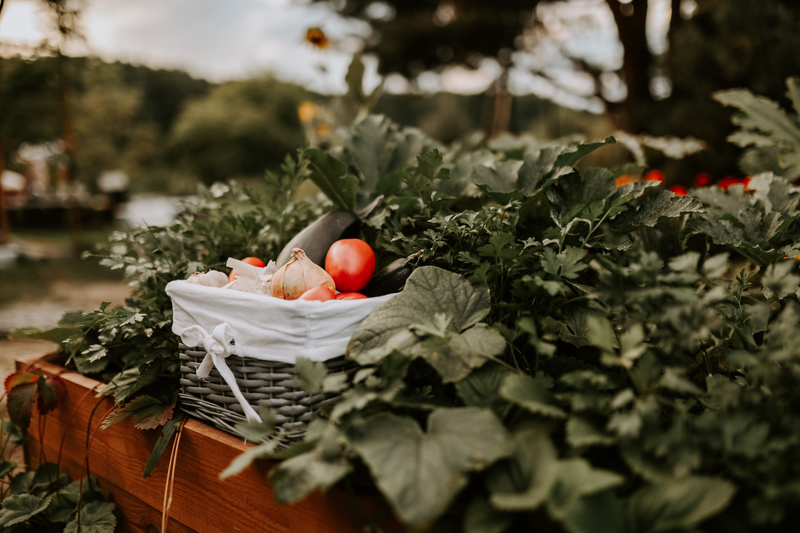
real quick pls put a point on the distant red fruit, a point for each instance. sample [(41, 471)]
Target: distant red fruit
[(654, 175), (702, 180), (679, 190)]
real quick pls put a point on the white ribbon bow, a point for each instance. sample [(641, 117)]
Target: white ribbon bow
[(218, 347)]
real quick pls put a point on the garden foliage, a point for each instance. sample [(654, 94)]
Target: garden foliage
[(568, 355)]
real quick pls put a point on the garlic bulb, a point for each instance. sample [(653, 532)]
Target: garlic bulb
[(212, 278), (250, 278), (297, 276)]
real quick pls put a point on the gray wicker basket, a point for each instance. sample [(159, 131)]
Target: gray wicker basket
[(262, 383)]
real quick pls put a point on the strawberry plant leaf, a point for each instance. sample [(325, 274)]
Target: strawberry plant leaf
[(18, 378), (51, 391), (21, 399), (7, 467), (19, 508), (421, 472), (147, 412), (95, 517)]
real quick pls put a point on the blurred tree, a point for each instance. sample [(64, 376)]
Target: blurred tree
[(111, 129), (240, 129), (724, 44), (164, 92), (712, 45)]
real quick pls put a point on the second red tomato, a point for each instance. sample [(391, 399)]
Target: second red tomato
[(351, 263)]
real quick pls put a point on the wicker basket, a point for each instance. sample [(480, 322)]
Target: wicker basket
[(263, 383)]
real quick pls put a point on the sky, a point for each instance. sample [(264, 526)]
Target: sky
[(237, 39)]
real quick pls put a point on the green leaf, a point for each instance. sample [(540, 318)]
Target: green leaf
[(52, 391), (161, 444), (95, 517), (583, 432), (297, 477), (431, 296), (482, 387), (576, 478), (243, 461), (678, 503), (310, 374), (462, 352), (530, 393), (657, 205), (332, 178), (499, 176), (537, 171), (7, 467), (764, 124), (481, 517), (147, 412), (20, 400), (64, 506), (523, 482), (429, 165), (57, 335), (780, 281), (255, 431), (570, 159), (19, 508), (420, 473), (596, 513), (354, 78)]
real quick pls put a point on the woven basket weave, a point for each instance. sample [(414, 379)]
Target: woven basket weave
[(263, 383)]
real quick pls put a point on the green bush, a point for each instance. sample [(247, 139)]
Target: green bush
[(569, 354)]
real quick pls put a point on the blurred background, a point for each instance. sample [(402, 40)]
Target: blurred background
[(113, 112)]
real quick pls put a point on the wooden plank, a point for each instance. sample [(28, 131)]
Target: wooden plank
[(201, 501)]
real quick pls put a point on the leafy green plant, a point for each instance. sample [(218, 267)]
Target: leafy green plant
[(772, 132), (576, 356), (569, 354), (44, 499)]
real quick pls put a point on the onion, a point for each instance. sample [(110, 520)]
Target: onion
[(297, 276)]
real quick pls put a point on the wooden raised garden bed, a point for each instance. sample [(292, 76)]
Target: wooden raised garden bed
[(200, 501)]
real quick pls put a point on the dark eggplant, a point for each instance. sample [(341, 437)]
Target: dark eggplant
[(320, 235), (391, 278)]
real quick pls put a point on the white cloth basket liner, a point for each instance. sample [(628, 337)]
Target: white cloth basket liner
[(269, 328)]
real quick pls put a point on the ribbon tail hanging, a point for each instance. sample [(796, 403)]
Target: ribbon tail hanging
[(229, 378)]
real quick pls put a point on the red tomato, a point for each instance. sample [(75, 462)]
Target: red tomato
[(320, 293), (350, 296), (255, 261), (351, 263)]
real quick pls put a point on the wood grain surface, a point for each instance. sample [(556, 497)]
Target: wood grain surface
[(201, 501)]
